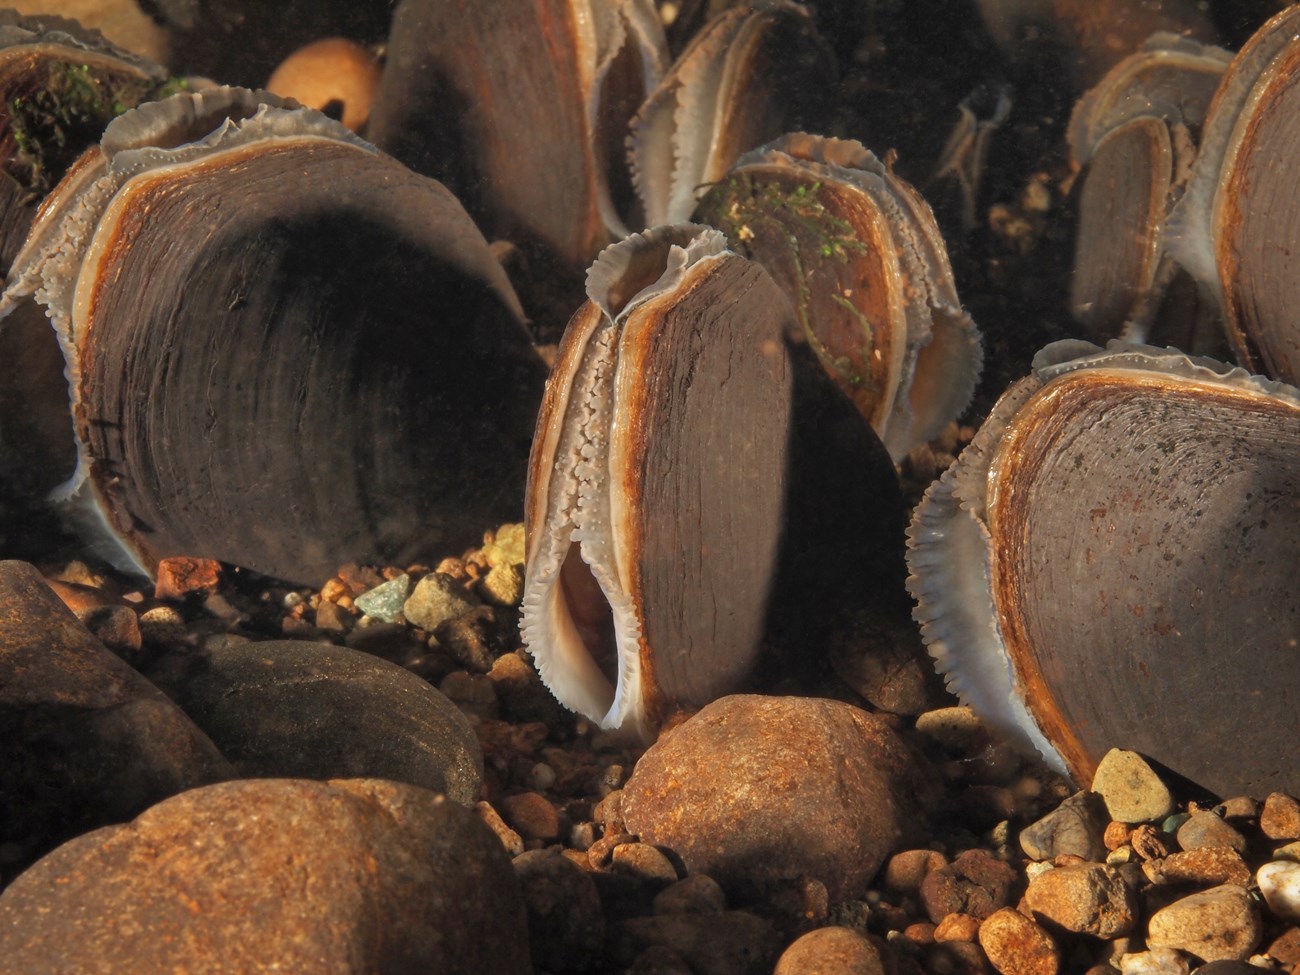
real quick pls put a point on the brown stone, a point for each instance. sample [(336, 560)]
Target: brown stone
[(1285, 948), (1116, 835), (957, 927), (955, 958), (831, 951), (532, 815), (643, 861), (1219, 923), (1074, 827), (84, 739), (117, 627), (1204, 830), (1209, 867), (906, 870), (1084, 899), (696, 894), (274, 874), (759, 792), (1149, 842), (180, 577), (566, 925), (1280, 818), (974, 883), (510, 840), (1015, 945)]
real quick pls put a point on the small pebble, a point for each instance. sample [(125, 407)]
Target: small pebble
[(1285, 948), (956, 728), (506, 547), (179, 577), (474, 694), (975, 883), (1148, 842), (1208, 867), (831, 951), (532, 815), (1219, 923), (643, 861), (436, 599), (1132, 791), (1075, 827), (503, 585), (1280, 818), (1279, 883), (957, 927), (696, 894), (905, 871), (1086, 899), (384, 602), (1204, 829), (117, 627), (1015, 945), (511, 840), (566, 925), (726, 943), (1157, 961)]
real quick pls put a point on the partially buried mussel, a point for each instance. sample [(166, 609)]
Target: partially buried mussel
[(1110, 563), (699, 492), (283, 349)]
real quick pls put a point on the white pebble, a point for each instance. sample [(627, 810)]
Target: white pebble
[(1279, 882)]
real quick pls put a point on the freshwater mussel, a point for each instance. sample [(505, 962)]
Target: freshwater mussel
[(283, 349)]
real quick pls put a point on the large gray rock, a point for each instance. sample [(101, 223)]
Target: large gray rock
[(274, 875), (84, 739), (291, 709), (762, 792)]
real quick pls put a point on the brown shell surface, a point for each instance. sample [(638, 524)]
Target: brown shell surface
[(490, 99), (1257, 243), (271, 364), (822, 242), (1143, 572), (1121, 217)]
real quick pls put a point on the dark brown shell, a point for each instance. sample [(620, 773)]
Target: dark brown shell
[(286, 350), (1110, 563), (521, 108)]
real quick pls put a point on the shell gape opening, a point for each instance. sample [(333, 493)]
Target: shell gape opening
[(592, 617)]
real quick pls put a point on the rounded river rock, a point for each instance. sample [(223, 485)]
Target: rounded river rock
[(275, 875), (759, 792), (286, 708)]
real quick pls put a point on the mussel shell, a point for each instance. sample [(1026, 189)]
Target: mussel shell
[(1113, 556), (286, 350), (862, 262), (60, 85), (749, 75), (696, 488), (521, 107)]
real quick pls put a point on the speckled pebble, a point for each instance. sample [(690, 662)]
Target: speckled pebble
[(385, 601), (1207, 867), (759, 792), (1280, 818), (1074, 827), (957, 927), (831, 951), (1086, 898), (974, 883), (435, 600), (1218, 923), (1279, 882), (274, 875), (566, 925), (906, 870), (696, 894), (503, 585), (1015, 945), (313, 710), (643, 861), (532, 815), (1132, 791), (956, 728), (1157, 961), (1204, 829), (506, 547)]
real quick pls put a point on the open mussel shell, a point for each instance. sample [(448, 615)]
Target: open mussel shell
[(1134, 135), (522, 107), (675, 480), (1235, 229), (749, 75), (60, 85), (1111, 563), (859, 256), (284, 349)]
